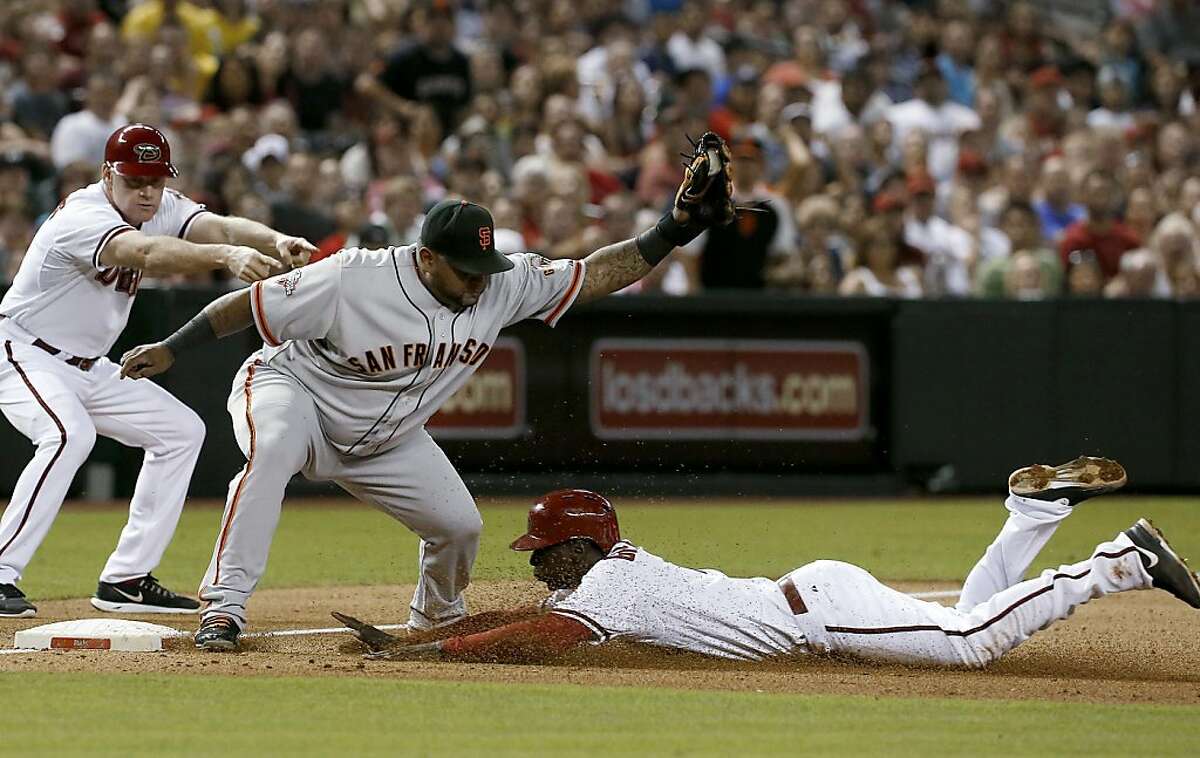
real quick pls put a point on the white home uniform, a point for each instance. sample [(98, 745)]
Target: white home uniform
[(359, 354), (835, 607), (62, 314)]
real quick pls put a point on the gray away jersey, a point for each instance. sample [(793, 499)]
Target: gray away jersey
[(378, 353)]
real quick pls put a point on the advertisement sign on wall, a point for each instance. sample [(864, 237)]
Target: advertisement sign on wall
[(735, 389)]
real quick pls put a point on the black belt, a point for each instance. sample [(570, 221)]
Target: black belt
[(83, 364), (795, 602)]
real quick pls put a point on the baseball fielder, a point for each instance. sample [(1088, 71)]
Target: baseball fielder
[(606, 588), (363, 348), (68, 304)]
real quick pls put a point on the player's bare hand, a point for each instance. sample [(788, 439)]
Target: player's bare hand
[(146, 360), (294, 251), (249, 265)]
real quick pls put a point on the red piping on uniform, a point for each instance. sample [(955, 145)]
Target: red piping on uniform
[(62, 436), (571, 292), (260, 317), (237, 494), (984, 625)]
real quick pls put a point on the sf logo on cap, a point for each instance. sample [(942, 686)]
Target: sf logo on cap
[(147, 153), (485, 237)]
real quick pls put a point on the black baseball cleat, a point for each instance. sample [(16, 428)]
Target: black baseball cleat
[(144, 595), (1166, 569), (1076, 481), (217, 633), (13, 604)]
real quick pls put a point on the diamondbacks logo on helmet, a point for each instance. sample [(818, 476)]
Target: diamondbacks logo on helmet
[(147, 153)]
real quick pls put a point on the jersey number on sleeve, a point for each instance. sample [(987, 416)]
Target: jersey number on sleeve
[(127, 279)]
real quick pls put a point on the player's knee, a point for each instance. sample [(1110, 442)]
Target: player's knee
[(192, 429), (465, 531), (280, 449), (75, 439)]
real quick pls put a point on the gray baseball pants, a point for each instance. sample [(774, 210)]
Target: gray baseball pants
[(276, 424)]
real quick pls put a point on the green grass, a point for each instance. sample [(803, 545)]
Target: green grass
[(897, 539), (332, 716)]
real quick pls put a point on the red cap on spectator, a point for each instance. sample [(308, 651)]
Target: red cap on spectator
[(921, 183), (971, 163), (887, 201), (746, 147), (1046, 76)]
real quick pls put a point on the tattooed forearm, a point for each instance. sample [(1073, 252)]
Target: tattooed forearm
[(610, 269), (230, 313)]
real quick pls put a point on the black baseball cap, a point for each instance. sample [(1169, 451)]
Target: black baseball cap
[(464, 234)]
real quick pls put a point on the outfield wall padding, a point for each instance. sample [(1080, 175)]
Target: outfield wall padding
[(950, 393)]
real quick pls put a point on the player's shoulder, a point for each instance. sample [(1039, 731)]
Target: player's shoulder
[(82, 208), (361, 258), (624, 550)]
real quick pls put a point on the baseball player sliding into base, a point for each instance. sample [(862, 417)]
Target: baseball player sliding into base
[(363, 348), (68, 304), (606, 588)]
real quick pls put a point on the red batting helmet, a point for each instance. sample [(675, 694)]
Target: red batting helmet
[(139, 150), (568, 514)]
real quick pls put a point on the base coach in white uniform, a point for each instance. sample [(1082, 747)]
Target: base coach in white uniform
[(68, 304), (361, 350)]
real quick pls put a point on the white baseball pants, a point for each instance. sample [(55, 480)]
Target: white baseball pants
[(61, 409), (277, 427), (852, 613)]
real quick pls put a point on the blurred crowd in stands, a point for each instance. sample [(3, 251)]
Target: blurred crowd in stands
[(947, 148)]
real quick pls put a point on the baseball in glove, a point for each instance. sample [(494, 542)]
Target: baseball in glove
[(706, 193)]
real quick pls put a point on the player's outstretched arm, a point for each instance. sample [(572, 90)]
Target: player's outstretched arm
[(615, 267), (228, 314), (209, 228), (162, 256), (537, 639), (704, 199)]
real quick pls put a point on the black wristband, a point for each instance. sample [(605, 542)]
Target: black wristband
[(195, 332), (657, 242)]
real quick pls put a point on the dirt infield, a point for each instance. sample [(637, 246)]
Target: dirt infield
[(1142, 647)]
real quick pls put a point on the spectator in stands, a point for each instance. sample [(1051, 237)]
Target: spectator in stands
[(1045, 118), (1176, 247), (822, 253), (1137, 276), (37, 102), (757, 236), (1101, 232), (1054, 208), (691, 47), (1083, 275), (1141, 213), (402, 211), (948, 251), (1018, 233), (942, 121), (80, 136), (1115, 111), (431, 72), (1025, 278), (1171, 32), (955, 62), (294, 210), (879, 273), (312, 83)]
